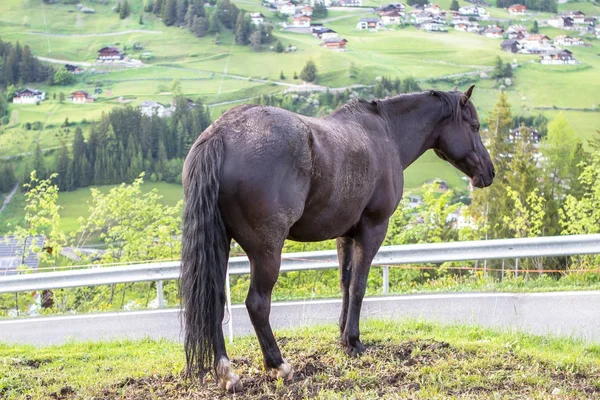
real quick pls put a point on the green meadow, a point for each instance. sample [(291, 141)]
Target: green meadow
[(232, 74)]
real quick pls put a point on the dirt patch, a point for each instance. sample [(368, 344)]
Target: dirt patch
[(385, 370), (65, 392), (29, 362)]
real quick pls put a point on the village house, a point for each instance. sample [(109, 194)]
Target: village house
[(474, 11), (578, 17), (561, 22), (564, 40), (517, 9), (434, 27), (75, 70), (301, 21), (257, 18), (369, 23), (324, 33), (350, 3), (287, 8), (81, 97), (536, 44), (326, 3), (397, 7), (28, 96), (494, 32), (516, 32), (558, 57), (150, 108), (432, 8), (511, 45), (109, 54), (420, 17), (338, 44), (517, 134), (307, 10), (461, 26), (391, 18)]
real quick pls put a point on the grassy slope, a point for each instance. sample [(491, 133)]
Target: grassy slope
[(403, 360)]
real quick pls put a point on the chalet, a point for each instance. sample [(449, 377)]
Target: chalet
[(307, 10), (517, 9), (150, 108), (473, 11), (350, 3), (564, 40), (326, 3), (558, 57), (420, 17), (594, 30), (257, 18), (494, 32), (432, 8), (109, 54), (369, 23), (578, 17), (398, 7), (324, 33), (561, 22), (511, 45), (81, 97), (391, 18), (517, 134), (286, 8), (536, 44), (517, 32), (461, 26), (28, 96), (338, 44), (74, 69), (434, 27), (301, 21)]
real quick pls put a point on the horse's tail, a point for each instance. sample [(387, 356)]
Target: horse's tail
[(204, 255)]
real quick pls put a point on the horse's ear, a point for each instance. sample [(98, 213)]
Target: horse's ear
[(466, 95)]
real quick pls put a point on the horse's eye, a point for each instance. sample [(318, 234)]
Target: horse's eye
[(476, 127)]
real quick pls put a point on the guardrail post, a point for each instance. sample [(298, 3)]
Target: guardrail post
[(516, 267), (159, 293), (386, 279), (228, 293)]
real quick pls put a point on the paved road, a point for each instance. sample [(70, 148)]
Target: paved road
[(574, 314)]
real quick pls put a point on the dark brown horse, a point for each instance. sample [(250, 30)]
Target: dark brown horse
[(261, 175)]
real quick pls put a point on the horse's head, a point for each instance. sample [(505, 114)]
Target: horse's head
[(460, 144)]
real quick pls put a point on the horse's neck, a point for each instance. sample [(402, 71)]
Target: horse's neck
[(411, 122)]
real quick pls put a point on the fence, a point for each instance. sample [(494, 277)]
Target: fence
[(389, 255)]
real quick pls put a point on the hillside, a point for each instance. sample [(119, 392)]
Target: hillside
[(224, 75)]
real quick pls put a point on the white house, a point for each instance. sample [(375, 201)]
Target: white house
[(564, 40), (391, 18), (434, 27), (257, 18), (29, 96), (301, 21), (473, 11), (558, 57), (432, 8), (369, 23), (517, 9), (326, 3), (149, 108), (536, 43), (286, 8), (494, 32)]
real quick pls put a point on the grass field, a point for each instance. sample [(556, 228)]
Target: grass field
[(403, 360)]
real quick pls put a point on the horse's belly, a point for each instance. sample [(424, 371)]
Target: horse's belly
[(325, 224)]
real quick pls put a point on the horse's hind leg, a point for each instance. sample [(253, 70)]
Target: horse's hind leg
[(264, 265), (345, 246)]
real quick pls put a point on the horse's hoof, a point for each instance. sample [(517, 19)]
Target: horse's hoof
[(284, 371), (354, 350), (228, 380)]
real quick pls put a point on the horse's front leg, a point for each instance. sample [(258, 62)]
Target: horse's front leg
[(367, 241), (265, 265), (345, 246)]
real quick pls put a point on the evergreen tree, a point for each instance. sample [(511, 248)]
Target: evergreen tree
[(158, 7), (39, 165), (214, 25), (198, 8), (309, 72), (256, 41), (535, 28), (62, 168), (188, 21), (279, 47), (79, 153), (28, 69), (124, 12), (227, 13), (454, 6), (170, 12), (281, 75), (295, 75), (3, 105), (182, 8), (11, 68), (199, 26), (491, 204), (141, 21), (319, 10)]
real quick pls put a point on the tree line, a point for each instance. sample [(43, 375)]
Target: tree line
[(192, 15), (18, 66), (123, 144)]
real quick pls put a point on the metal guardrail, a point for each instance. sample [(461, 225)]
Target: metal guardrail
[(389, 255)]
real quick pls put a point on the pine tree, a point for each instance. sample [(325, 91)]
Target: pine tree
[(28, 67), (309, 72), (158, 7), (39, 165), (199, 26), (279, 47), (256, 41), (62, 168), (124, 11), (198, 7), (243, 29), (535, 28), (281, 75), (295, 75), (170, 12), (182, 8), (189, 19), (141, 21), (214, 26), (454, 6)]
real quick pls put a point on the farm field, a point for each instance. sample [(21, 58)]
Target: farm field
[(225, 75), (403, 360)]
